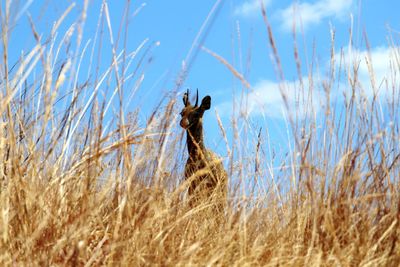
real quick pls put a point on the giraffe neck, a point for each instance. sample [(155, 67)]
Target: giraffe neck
[(195, 141)]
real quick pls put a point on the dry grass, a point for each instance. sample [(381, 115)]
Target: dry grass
[(80, 189)]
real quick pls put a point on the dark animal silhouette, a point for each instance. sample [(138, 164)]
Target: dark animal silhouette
[(204, 170)]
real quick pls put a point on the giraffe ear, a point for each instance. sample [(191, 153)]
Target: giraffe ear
[(206, 103)]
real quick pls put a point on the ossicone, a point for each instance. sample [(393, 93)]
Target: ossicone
[(186, 101)]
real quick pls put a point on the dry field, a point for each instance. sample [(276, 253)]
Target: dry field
[(79, 188)]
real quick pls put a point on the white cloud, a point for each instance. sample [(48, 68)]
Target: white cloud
[(313, 13), (250, 7), (380, 60), (265, 99)]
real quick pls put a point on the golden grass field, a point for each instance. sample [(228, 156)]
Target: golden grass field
[(78, 191)]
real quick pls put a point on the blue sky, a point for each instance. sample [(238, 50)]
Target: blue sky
[(236, 32)]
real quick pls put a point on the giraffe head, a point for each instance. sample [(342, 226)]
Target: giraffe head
[(192, 115)]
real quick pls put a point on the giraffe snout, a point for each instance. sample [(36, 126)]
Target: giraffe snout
[(184, 123)]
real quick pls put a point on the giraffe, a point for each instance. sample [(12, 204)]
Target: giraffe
[(204, 171)]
